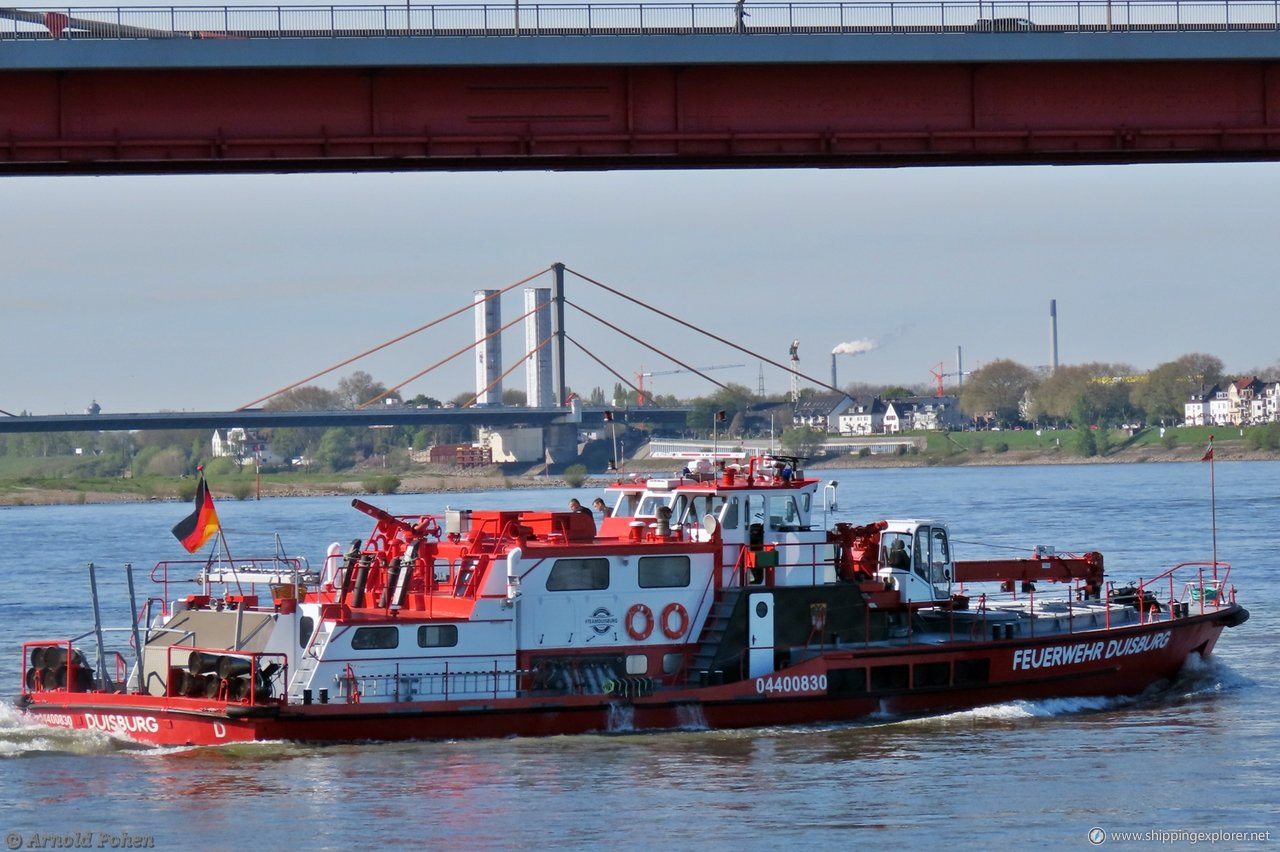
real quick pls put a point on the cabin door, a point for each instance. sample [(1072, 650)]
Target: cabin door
[(760, 634)]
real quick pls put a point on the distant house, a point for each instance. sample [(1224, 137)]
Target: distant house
[(1195, 411), (1242, 393), (242, 445), (1266, 405), (821, 411), (921, 413), (864, 417)]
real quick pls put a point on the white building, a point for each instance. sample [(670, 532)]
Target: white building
[(242, 445), (821, 411), (1195, 411), (864, 417)]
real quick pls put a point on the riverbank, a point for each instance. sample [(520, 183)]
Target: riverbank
[(445, 481)]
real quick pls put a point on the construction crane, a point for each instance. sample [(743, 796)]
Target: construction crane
[(939, 375), (795, 371), (641, 376)]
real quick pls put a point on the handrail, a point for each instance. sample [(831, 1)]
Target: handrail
[(514, 19)]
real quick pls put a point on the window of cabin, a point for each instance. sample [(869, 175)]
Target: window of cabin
[(649, 506), (625, 506), (729, 517), (375, 639), (663, 572), (306, 626), (578, 575), (784, 513), (437, 636), (637, 664)]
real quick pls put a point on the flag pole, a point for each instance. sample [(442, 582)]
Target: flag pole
[(1213, 510)]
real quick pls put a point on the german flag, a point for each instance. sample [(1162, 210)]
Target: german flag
[(198, 527)]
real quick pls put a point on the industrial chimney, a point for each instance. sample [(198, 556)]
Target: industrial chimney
[(1053, 335)]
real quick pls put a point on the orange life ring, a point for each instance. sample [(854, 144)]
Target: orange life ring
[(682, 621), (642, 632)]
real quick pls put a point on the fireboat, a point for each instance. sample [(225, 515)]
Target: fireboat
[(715, 598)]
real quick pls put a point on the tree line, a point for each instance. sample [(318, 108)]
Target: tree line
[(1002, 393)]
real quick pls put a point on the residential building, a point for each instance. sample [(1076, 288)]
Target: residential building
[(864, 417), (1195, 411), (929, 413), (821, 411), (1242, 393), (241, 444)]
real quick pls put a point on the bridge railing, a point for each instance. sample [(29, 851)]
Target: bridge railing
[(410, 20)]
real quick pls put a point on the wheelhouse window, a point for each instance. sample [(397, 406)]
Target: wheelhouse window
[(663, 572), (375, 639), (784, 512), (626, 504), (437, 636), (578, 575), (729, 517), (649, 506)]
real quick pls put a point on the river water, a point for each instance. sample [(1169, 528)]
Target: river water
[(1202, 756)]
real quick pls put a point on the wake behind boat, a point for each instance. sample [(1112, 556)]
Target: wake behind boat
[(715, 598)]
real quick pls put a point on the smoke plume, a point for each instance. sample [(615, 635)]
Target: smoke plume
[(857, 347)]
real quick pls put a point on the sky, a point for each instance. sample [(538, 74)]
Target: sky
[(203, 293)]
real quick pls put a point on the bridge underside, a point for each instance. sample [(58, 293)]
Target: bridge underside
[(653, 116)]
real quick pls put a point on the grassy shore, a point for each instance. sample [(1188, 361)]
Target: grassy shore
[(55, 481)]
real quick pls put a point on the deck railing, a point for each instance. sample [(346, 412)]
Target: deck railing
[(418, 20)]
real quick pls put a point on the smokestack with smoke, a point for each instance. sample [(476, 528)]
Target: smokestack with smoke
[(857, 347)]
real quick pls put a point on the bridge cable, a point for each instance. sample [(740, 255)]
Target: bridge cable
[(648, 346), (701, 331), (395, 340), (449, 358), (512, 367), (593, 357)]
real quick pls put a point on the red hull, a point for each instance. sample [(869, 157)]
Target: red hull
[(1106, 663)]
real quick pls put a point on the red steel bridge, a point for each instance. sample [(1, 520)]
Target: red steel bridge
[(98, 90)]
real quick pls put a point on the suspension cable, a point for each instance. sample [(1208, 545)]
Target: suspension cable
[(593, 357), (701, 331), (449, 358), (647, 345), (391, 342), (512, 368)]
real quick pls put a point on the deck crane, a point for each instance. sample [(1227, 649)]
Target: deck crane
[(641, 376)]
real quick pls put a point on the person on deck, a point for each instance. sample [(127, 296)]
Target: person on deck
[(600, 507)]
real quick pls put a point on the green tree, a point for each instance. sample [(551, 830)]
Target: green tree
[(171, 461), (305, 398), (358, 389), (515, 398), (1168, 387), (336, 450), (803, 441), (1096, 383), (998, 389)]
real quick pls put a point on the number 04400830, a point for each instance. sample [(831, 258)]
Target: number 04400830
[(792, 683)]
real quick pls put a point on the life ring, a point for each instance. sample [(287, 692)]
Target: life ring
[(682, 621), (646, 624)]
